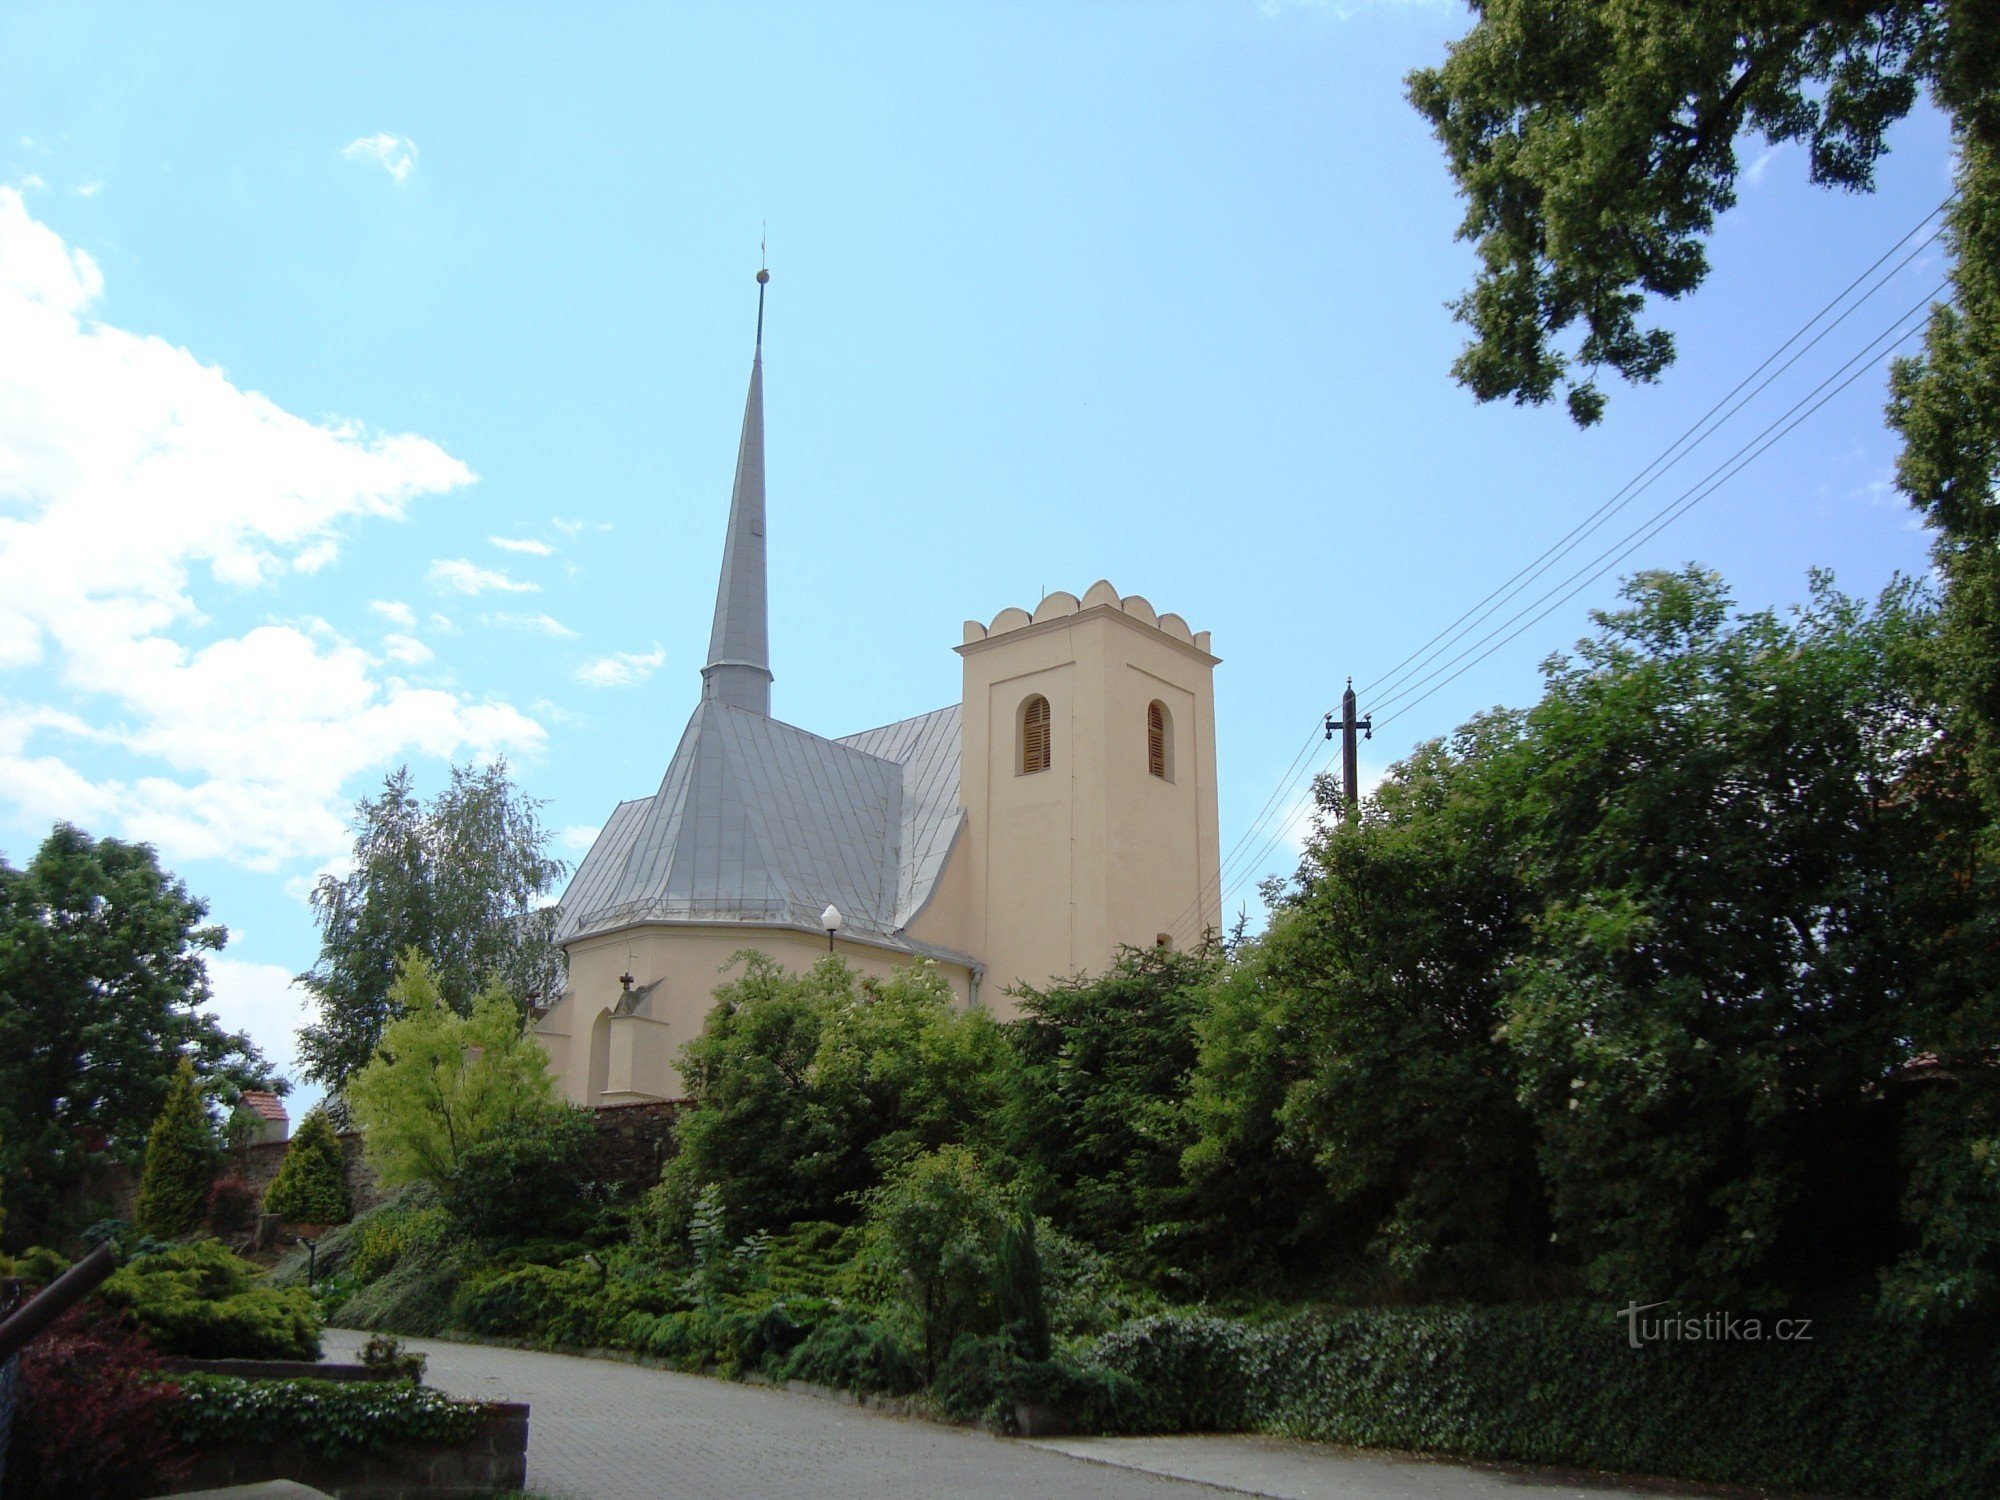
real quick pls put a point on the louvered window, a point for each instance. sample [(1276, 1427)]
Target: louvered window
[(1159, 745), (1035, 735)]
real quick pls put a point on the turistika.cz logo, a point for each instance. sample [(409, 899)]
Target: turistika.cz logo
[(1709, 1328)]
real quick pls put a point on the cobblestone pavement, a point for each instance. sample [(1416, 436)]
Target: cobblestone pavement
[(606, 1430)]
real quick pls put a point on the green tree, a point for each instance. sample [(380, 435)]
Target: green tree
[(311, 1185), (808, 1088), (941, 1220), (1095, 1108), (180, 1162), (1594, 143), (460, 882), (441, 1083), (102, 985), (1356, 1039), (530, 1179)]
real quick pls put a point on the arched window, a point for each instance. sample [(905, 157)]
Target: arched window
[(1034, 735), (1159, 741)]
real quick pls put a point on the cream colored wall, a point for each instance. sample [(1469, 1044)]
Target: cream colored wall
[(602, 1058), (1066, 865)]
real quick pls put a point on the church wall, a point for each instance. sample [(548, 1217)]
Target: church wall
[(602, 1058)]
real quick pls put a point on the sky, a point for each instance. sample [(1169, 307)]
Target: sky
[(370, 380)]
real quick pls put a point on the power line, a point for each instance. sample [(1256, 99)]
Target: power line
[(1396, 677), (1843, 376), (1667, 458)]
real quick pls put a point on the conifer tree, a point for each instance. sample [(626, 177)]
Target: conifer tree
[(180, 1160), (311, 1186)]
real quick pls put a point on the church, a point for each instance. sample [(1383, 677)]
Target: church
[(1063, 808)]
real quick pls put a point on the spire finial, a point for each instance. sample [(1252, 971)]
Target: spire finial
[(763, 280)]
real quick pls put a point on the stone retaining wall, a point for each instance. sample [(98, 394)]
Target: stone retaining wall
[(492, 1461)]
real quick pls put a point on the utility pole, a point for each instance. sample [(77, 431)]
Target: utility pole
[(1350, 750)]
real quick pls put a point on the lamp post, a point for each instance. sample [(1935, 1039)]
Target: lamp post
[(830, 920)]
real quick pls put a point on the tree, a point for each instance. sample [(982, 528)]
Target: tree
[(311, 1185), (941, 1221), (1594, 142), (101, 987), (460, 882), (180, 1160), (530, 1179), (1095, 1105), (440, 1083), (809, 1088)]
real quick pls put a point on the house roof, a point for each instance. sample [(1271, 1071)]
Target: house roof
[(757, 821), (265, 1106)]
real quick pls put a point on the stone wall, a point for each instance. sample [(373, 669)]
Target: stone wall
[(493, 1461)]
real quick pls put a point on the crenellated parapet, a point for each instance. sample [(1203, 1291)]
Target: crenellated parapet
[(1100, 595)]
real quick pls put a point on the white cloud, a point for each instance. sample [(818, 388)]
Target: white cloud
[(89, 189), (457, 575), (521, 544), (1754, 173), (575, 528), (261, 1000), (395, 612), (32, 182), (396, 154), (545, 624), (316, 556), (620, 668), (444, 624), (127, 467), (579, 838), (406, 648)]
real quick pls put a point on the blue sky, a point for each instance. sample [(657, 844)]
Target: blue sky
[(370, 377)]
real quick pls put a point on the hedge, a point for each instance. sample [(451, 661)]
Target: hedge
[(1864, 1408), (336, 1417)]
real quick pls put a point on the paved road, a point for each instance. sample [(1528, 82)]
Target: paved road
[(604, 1430)]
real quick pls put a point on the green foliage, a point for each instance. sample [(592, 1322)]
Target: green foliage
[(578, 1304), (808, 1088), (853, 1352), (336, 1417), (311, 1185), (394, 1268), (1630, 967), (38, 1265), (940, 1222), (442, 1083), (1094, 1111), (199, 1300), (1594, 142), (460, 882), (529, 1178), (1017, 1289), (1863, 1408), (181, 1153), (386, 1353), (102, 992)]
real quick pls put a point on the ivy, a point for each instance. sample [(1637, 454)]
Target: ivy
[(336, 1417)]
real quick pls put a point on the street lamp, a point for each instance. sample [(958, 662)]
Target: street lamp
[(830, 920)]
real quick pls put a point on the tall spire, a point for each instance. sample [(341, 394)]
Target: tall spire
[(739, 651)]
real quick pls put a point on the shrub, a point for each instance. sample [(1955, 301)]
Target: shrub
[(855, 1353), (939, 1221), (982, 1380), (180, 1159), (232, 1207), (91, 1418), (579, 1304), (531, 1176), (334, 1416), (199, 1300), (38, 1265), (311, 1185), (382, 1352), (1864, 1408)]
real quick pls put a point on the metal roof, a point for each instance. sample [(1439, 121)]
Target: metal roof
[(757, 821)]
